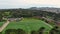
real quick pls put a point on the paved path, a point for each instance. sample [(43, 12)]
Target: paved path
[(4, 26), (48, 25)]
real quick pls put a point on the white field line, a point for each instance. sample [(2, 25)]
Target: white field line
[(4, 26), (48, 25)]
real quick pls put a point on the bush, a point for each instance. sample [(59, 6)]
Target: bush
[(10, 31), (54, 30), (0, 32), (20, 31), (14, 31), (41, 30), (34, 32)]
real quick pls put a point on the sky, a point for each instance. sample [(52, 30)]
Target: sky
[(5, 4)]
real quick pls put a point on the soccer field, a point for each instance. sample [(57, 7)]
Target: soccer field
[(29, 25)]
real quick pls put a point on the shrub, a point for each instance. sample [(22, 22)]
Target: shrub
[(41, 30), (54, 30), (0, 32), (20, 31), (10, 31), (34, 32)]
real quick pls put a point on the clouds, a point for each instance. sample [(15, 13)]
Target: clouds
[(45, 2), (28, 3)]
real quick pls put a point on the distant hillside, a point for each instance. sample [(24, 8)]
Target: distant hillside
[(49, 9), (56, 10)]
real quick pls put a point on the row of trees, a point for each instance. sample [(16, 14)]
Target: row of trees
[(14, 31), (54, 30)]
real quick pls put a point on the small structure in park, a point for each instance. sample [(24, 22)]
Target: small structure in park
[(48, 20), (15, 19)]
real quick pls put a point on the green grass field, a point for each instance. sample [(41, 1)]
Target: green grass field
[(1, 23), (28, 25)]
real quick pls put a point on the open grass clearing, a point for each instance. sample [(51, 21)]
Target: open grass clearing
[(28, 25)]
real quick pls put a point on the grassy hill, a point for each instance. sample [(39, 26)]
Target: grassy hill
[(28, 25)]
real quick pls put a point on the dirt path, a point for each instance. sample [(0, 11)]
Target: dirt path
[(4, 26)]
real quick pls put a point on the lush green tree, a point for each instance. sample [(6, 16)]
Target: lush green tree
[(11, 31), (54, 30), (41, 30), (34, 32), (20, 31)]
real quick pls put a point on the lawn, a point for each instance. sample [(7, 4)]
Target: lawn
[(28, 25), (1, 23)]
